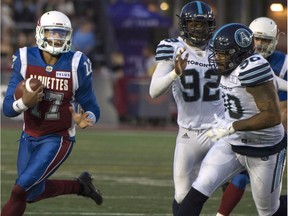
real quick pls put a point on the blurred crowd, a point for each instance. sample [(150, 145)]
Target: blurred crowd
[(19, 18)]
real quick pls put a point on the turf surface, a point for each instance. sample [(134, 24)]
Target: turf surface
[(133, 169)]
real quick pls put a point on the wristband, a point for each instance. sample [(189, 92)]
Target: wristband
[(173, 75), (19, 106), (231, 130), (91, 116)]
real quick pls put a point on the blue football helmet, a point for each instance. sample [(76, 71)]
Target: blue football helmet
[(230, 45), (202, 17)]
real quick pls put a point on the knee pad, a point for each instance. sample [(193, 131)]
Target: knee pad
[(240, 181)]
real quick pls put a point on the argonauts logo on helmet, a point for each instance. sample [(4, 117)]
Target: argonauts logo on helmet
[(243, 37)]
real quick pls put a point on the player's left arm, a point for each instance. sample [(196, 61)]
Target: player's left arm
[(85, 95), (266, 99)]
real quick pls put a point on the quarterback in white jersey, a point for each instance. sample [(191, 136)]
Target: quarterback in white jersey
[(251, 136), (183, 65)]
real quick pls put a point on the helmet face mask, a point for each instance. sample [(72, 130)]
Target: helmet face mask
[(230, 45), (264, 46), (197, 23), (222, 61), (264, 29), (54, 33)]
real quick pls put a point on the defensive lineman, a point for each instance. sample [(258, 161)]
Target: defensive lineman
[(253, 136), (195, 90), (266, 34)]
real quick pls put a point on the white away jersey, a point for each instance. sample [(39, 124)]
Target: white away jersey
[(196, 91), (239, 104)]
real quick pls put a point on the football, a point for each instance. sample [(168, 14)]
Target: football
[(31, 85)]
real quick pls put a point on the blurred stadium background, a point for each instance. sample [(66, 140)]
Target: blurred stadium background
[(120, 38), (133, 143)]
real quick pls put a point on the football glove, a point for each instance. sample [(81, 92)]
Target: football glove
[(220, 128)]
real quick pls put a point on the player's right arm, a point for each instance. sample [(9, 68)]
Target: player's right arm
[(167, 70), (16, 77), (162, 78), (12, 107)]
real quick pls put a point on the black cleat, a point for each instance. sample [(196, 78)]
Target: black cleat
[(88, 189)]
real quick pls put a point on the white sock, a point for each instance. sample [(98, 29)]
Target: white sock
[(218, 214)]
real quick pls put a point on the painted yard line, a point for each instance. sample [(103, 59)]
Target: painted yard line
[(117, 179)]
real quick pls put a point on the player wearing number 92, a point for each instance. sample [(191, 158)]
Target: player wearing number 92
[(50, 113), (183, 65), (251, 137)]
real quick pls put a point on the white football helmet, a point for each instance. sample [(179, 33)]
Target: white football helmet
[(265, 28), (59, 37)]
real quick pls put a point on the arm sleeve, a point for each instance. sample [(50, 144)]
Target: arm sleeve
[(162, 78), (85, 95), (16, 77), (259, 73)]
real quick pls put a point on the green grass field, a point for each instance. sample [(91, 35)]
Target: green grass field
[(133, 169)]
